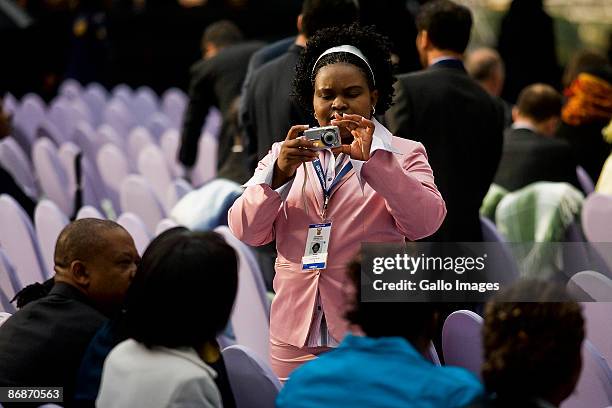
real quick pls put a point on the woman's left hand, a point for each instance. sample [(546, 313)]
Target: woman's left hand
[(362, 130)]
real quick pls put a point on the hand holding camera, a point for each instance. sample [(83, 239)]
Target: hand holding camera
[(294, 151), (361, 129)]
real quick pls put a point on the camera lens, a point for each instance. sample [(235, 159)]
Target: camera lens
[(329, 138)]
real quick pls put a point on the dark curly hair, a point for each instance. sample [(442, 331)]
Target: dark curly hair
[(374, 46), (532, 349)]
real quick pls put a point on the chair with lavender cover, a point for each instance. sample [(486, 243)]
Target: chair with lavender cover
[(113, 168), (176, 190), (585, 181), (592, 284), (205, 168), (118, 115), (253, 382), (15, 161), (174, 102), (26, 120), (18, 240), (95, 96), (61, 116), (138, 139), (137, 229), (152, 165), (251, 315), (49, 221), (67, 154), (88, 211), (138, 197), (107, 134), (70, 88), (47, 128), (53, 179), (594, 388), (432, 355), (462, 341), (9, 103), (123, 93), (169, 144), (598, 327), (144, 104), (9, 283), (597, 224), (503, 265), (157, 124)]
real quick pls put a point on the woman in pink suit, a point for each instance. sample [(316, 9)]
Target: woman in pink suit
[(320, 205)]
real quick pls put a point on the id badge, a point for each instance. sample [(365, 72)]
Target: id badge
[(315, 253)]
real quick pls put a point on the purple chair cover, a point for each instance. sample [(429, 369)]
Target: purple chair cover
[(205, 168), (53, 179), (597, 224), (18, 240), (594, 388), (164, 225), (49, 221), (174, 102), (47, 128), (26, 120), (152, 165), (70, 88), (585, 181), (137, 196), (113, 168), (107, 134), (253, 382), (62, 116), (144, 104), (88, 211), (137, 229), (9, 283), (124, 93), (94, 190), (10, 104), (432, 355), (598, 327), (462, 341), (157, 124), (95, 98), (177, 190), (597, 286), (15, 161), (503, 263), (118, 115), (67, 155), (213, 122), (138, 139), (169, 144), (251, 315)]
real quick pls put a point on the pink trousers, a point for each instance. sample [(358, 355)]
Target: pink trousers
[(285, 358)]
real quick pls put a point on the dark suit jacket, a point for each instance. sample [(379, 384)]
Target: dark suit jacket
[(43, 343), (270, 109), (461, 127), (528, 157), (214, 82)]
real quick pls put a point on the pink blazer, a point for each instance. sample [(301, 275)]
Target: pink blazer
[(399, 199)]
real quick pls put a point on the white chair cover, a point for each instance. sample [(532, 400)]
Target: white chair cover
[(138, 197), (113, 168), (137, 229), (174, 102), (49, 221), (89, 212), (16, 162), (152, 165), (169, 144), (53, 179)]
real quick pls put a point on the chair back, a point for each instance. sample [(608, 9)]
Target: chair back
[(49, 221), (594, 388), (137, 229), (174, 102), (169, 143), (9, 283), (16, 162), (138, 197), (95, 96), (89, 211), (152, 165), (251, 314), (597, 224), (138, 139), (53, 179), (501, 263), (176, 190), (18, 239), (253, 383), (113, 167), (205, 168), (462, 341), (157, 124), (164, 225), (144, 104), (585, 181)]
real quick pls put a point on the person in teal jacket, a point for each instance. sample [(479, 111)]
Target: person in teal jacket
[(385, 367)]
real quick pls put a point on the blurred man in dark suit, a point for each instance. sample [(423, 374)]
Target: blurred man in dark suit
[(215, 81), (460, 124), (531, 153)]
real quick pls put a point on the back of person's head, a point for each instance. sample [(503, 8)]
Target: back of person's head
[(582, 61), (447, 24), (99, 258), (486, 66), (380, 319), (539, 102), (319, 14), (184, 290), (221, 34), (533, 334)]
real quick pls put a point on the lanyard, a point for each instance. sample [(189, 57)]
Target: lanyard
[(327, 192)]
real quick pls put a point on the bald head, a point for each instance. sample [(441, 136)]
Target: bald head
[(99, 258), (487, 68)]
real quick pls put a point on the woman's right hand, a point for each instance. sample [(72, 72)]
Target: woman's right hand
[(294, 151)]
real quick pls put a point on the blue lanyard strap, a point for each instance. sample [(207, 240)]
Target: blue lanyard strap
[(319, 170)]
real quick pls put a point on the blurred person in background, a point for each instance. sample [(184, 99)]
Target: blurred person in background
[(487, 68), (527, 45), (531, 152), (587, 110), (215, 81)]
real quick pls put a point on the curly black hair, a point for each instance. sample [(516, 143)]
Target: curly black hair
[(374, 46)]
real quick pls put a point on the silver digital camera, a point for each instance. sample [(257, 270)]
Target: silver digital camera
[(325, 137)]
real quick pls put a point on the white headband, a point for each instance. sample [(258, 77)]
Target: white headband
[(348, 49)]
